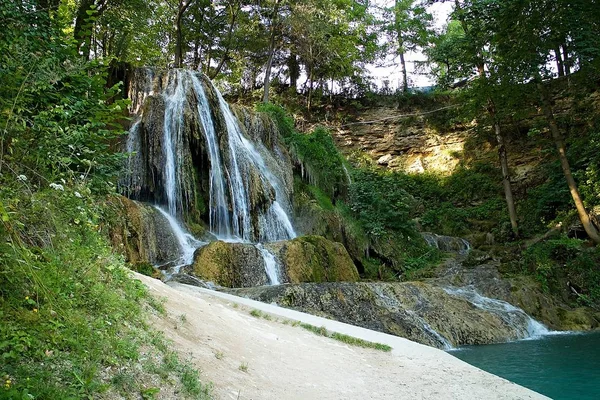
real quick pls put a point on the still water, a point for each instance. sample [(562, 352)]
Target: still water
[(564, 366)]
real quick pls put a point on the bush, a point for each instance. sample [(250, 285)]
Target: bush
[(554, 262)]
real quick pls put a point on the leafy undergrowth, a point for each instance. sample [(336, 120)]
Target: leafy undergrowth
[(73, 321)]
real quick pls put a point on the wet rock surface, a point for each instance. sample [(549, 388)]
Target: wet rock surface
[(304, 259), (314, 259), (141, 233), (230, 264), (417, 311)]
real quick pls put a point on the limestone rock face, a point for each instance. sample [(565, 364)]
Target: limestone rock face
[(314, 259), (141, 233), (230, 264), (522, 291), (417, 311)]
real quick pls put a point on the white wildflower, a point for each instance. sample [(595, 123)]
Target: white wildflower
[(63, 181), (78, 195), (22, 178), (57, 186), (81, 177)]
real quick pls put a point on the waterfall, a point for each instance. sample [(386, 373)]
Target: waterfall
[(175, 97), (417, 320), (243, 158), (247, 200), (515, 317), (271, 266), (447, 243)]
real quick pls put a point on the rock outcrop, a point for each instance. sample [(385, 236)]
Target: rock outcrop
[(141, 233), (314, 259), (417, 311), (230, 264), (304, 259)]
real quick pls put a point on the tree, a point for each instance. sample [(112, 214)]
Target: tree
[(274, 20), (470, 54), (523, 35), (408, 29)]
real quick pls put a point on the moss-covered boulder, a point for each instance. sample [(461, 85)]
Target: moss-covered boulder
[(140, 232), (230, 264), (314, 259)]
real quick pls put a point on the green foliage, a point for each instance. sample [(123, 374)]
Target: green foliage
[(380, 203), (58, 120), (315, 153), (554, 262), (70, 311)]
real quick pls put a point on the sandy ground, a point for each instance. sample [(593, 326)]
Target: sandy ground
[(216, 332)]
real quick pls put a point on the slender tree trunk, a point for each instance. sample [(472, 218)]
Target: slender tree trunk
[(267, 82), (510, 202), (559, 62), (294, 70), (234, 14), (310, 88), (566, 59), (502, 153), (564, 162), (183, 6), (82, 32), (404, 73)]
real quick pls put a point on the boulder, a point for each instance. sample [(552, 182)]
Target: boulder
[(314, 259), (230, 264)]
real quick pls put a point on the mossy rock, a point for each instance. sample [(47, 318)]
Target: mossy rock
[(230, 264), (315, 259)]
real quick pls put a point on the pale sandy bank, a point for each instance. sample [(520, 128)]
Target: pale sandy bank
[(218, 334)]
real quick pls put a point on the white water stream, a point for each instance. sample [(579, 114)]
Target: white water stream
[(513, 316), (188, 244)]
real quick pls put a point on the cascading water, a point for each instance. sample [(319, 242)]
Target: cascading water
[(526, 326), (447, 243), (247, 201), (187, 243), (393, 303)]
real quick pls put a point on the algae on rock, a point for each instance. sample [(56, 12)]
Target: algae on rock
[(314, 259)]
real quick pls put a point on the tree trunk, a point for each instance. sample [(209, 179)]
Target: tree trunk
[(564, 162), (566, 59), (510, 202), (404, 73), (559, 62), (234, 14), (310, 89), (502, 154), (82, 31), (294, 70), (267, 83), (183, 6)]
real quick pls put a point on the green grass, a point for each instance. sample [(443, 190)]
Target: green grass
[(353, 341), (243, 367), (73, 321), (260, 314)]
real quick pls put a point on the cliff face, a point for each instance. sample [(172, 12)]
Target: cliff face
[(397, 140)]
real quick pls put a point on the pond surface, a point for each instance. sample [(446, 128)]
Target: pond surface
[(561, 366)]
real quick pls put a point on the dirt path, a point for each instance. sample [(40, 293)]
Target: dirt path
[(218, 334)]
